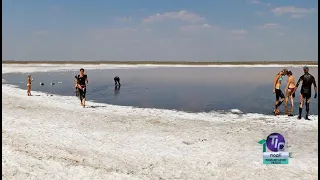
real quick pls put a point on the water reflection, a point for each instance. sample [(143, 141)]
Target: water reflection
[(288, 110), (116, 90)]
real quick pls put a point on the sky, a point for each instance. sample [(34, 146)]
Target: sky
[(160, 30)]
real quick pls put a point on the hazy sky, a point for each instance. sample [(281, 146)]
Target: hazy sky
[(177, 30)]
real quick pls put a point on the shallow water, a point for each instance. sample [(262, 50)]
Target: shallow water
[(195, 89)]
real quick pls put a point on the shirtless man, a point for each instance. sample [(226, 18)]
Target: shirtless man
[(82, 84), (29, 85), (277, 90), (305, 92)]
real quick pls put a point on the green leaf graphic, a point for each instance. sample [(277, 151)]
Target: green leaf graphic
[(262, 141), (264, 146)]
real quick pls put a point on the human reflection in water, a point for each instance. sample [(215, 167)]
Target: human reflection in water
[(116, 90), (288, 111)]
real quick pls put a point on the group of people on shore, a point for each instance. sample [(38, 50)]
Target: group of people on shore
[(81, 82), (305, 93)]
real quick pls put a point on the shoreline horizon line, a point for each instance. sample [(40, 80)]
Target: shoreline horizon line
[(164, 62)]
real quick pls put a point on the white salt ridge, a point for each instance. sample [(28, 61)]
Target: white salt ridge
[(236, 111), (25, 68)]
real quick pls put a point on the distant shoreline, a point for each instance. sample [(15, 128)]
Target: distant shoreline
[(163, 62)]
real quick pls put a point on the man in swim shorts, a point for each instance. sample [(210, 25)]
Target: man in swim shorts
[(305, 92), (116, 81), (82, 81)]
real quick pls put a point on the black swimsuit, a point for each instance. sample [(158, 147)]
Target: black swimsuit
[(307, 80), (82, 83)]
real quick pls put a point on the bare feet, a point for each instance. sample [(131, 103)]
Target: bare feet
[(84, 102)]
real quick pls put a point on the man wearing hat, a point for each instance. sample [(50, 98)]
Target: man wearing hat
[(305, 92)]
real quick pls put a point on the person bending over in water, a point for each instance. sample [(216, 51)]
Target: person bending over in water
[(29, 85), (116, 81), (289, 91), (82, 81), (277, 90), (305, 92)]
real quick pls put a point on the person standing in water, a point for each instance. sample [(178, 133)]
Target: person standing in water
[(277, 90), (82, 82), (289, 91), (29, 85), (116, 81), (305, 92), (76, 86)]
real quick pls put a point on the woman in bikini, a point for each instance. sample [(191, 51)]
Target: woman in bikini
[(289, 93), (289, 89), (277, 90), (29, 85)]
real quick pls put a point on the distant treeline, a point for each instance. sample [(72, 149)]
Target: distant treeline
[(163, 62)]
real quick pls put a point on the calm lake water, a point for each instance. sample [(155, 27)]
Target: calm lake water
[(194, 89)]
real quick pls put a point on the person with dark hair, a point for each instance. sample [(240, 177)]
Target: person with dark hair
[(82, 82), (305, 92), (117, 81), (277, 90)]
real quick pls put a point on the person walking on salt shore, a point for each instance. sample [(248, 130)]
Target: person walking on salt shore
[(82, 82), (277, 90), (305, 93), (29, 85)]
